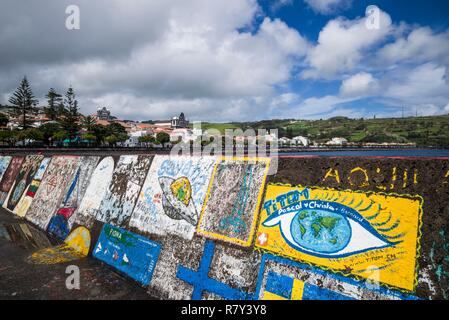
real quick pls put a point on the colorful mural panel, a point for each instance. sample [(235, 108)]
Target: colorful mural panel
[(24, 203), (9, 177), (27, 171), (128, 252), (94, 194), (58, 225), (4, 163), (233, 217), (121, 196), (283, 279), (203, 269), (59, 174), (201, 281), (172, 195), (354, 233)]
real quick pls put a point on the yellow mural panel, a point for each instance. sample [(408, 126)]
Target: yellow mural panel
[(363, 234)]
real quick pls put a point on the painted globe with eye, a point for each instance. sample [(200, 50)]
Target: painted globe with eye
[(321, 231)]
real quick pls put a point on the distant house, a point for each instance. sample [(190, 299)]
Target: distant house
[(337, 142), (162, 123), (300, 141), (284, 141), (269, 137), (125, 124), (133, 138)]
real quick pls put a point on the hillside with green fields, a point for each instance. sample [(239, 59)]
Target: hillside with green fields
[(432, 131)]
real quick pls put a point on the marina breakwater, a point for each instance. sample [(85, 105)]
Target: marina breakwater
[(187, 227)]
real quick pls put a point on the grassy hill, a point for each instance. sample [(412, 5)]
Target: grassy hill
[(432, 131)]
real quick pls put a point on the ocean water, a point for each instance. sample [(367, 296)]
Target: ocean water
[(374, 153)]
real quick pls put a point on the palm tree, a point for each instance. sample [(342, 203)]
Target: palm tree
[(88, 123)]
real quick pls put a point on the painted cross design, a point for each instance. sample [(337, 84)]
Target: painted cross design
[(262, 238), (201, 282)]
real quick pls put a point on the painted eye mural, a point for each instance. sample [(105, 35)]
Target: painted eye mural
[(325, 228), (352, 232)]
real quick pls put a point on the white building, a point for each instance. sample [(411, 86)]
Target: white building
[(337, 142), (133, 138), (185, 134), (284, 141), (301, 141)]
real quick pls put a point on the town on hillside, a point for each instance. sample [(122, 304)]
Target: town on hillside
[(59, 123)]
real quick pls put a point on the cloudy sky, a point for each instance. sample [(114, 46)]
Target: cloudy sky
[(232, 60)]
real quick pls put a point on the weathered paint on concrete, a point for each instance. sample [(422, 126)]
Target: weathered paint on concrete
[(172, 195), (203, 269), (311, 255), (4, 163), (175, 251), (73, 195), (25, 202), (58, 175), (77, 187), (233, 218), (22, 181), (9, 177), (117, 205), (95, 192), (283, 279)]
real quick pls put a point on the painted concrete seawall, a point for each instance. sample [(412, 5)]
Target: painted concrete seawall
[(221, 228)]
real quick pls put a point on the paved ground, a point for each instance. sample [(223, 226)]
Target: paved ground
[(20, 279)]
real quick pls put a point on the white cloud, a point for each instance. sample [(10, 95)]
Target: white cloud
[(424, 84), (328, 6), (420, 45), (196, 59), (428, 109), (446, 108), (358, 85), (316, 107), (342, 44), (277, 4)]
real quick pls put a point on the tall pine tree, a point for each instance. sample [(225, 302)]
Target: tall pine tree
[(24, 103), (71, 115), (54, 100)]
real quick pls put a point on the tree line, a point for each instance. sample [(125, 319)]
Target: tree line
[(66, 125)]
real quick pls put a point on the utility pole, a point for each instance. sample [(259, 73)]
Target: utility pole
[(402, 112)]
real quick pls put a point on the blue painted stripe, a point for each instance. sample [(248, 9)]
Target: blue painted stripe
[(312, 292), (279, 284), (269, 257), (201, 282)]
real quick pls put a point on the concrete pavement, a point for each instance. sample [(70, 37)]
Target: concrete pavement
[(20, 279)]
